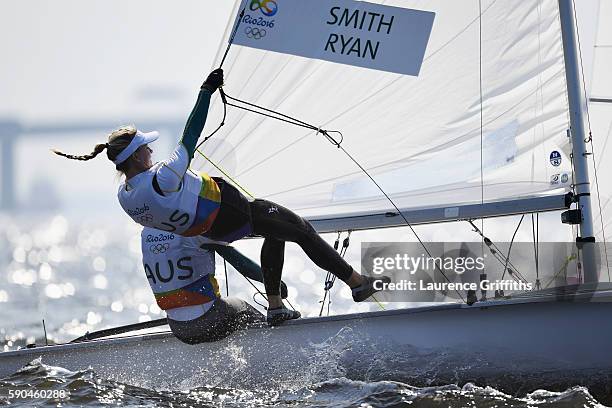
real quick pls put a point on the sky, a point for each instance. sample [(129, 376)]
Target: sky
[(67, 61)]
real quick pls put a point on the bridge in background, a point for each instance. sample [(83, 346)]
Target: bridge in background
[(13, 131)]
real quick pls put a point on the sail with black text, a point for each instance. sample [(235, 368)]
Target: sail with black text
[(483, 120)]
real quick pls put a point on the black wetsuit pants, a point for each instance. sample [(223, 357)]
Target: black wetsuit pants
[(238, 218), (278, 224)]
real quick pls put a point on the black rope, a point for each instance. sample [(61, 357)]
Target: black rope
[(330, 278), (231, 40), (497, 254), (401, 214), (510, 247), (258, 292), (254, 108), (222, 93)]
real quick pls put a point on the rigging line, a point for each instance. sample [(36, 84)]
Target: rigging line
[(286, 118), (329, 280), (497, 252), (231, 40), (399, 212), (256, 288), (256, 97), (290, 305), (510, 247), (226, 175), (268, 110), (481, 120), (290, 92), (222, 93), (590, 139)]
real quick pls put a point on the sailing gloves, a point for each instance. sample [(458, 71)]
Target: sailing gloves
[(214, 81)]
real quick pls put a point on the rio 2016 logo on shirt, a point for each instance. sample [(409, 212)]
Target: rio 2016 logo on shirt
[(267, 7)]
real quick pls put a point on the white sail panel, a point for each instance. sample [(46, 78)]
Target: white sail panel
[(419, 137)]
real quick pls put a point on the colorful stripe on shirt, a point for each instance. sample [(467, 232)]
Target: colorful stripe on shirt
[(209, 202), (204, 290)]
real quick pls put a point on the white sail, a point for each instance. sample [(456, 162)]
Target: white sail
[(419, 136)]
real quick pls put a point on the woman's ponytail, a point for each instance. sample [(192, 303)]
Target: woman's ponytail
[(118, 140), (97, 150)]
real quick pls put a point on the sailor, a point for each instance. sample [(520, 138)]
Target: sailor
[(181, 272), (168, 196)]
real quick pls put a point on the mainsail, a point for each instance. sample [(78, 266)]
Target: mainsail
[(485, 120)]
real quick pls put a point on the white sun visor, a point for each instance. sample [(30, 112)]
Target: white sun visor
[(139, 139)]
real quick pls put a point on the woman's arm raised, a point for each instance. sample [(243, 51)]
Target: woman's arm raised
[(171, 173)]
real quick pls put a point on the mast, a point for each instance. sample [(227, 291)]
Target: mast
[(581, 169)]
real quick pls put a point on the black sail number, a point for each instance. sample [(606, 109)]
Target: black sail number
[(176, 218)]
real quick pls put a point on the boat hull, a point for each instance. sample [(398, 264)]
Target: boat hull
[(515, 346)]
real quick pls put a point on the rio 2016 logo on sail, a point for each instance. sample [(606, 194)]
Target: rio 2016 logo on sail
[(267, 7)]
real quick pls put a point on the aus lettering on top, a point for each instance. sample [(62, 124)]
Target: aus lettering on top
[(164, 271)]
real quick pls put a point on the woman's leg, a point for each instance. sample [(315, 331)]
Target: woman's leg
[(272, 259), (281, 224)]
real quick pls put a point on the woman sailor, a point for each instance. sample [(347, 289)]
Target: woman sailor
[(170, 197), (181, 272)]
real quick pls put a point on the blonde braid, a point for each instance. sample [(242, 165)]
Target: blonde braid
[(97, 150)]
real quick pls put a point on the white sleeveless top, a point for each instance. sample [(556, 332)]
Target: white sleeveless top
[(188, 211)]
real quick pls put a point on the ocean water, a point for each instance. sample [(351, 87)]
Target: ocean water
[(85, 276), (86, 388)]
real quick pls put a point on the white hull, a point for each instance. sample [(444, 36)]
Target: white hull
[(515, 345)]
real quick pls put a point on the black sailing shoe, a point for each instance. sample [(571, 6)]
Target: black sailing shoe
[(278, 316), (366, 289)]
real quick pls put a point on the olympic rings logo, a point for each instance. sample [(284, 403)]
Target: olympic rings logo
[(254, 32), (159, 248), (146, 218), (267, 7)]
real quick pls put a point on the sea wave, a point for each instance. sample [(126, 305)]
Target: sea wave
[(86, 388)]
